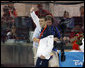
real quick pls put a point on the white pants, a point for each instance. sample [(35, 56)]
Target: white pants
[(35, 52), (53, 62)]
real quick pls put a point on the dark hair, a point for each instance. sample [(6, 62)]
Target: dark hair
[(40, 17), (49, 17)]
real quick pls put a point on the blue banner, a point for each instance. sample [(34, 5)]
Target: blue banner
[(73, 59)]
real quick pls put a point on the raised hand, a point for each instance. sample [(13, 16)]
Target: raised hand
[(32, 9)]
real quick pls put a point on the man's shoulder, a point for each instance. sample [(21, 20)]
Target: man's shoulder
[(37, 30)]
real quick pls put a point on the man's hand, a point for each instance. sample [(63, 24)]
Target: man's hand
[(32, 9), (36, 39)]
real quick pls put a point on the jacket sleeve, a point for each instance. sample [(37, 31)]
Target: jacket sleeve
[(35, 19), (57, 33)]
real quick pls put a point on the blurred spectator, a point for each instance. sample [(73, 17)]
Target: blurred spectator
[(82, 11), (28, 23), (78, 29), (68, 21), (9, 35), (7, 19), (12, 10), (41, 12), (12, 33), (66, 25), (3, 35), (82, 15)]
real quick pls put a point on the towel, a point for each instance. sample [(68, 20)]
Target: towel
[(45, 47)]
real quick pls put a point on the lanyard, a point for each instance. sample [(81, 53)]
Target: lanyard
[(43, 31)]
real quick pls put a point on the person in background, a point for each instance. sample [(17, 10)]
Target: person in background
[(82, 16), (9, 35), (77, 31), (3, 35), (67, 20), (6, 19), (41, 12), (48, 31), (12, 10), (82, 11), (12, 33)]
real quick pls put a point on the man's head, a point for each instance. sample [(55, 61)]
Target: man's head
[(42, 21), (66, 14), (82, 10), (49, 20)]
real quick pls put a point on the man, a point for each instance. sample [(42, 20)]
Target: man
[(45, 31)]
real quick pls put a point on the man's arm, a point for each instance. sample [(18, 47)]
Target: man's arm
[(58, 35), (34, 17), (36, 34)]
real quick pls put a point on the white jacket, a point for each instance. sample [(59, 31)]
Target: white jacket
[(45, 47), (37, 29)]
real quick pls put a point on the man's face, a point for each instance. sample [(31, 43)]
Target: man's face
[(42, 22), (49, 22)]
